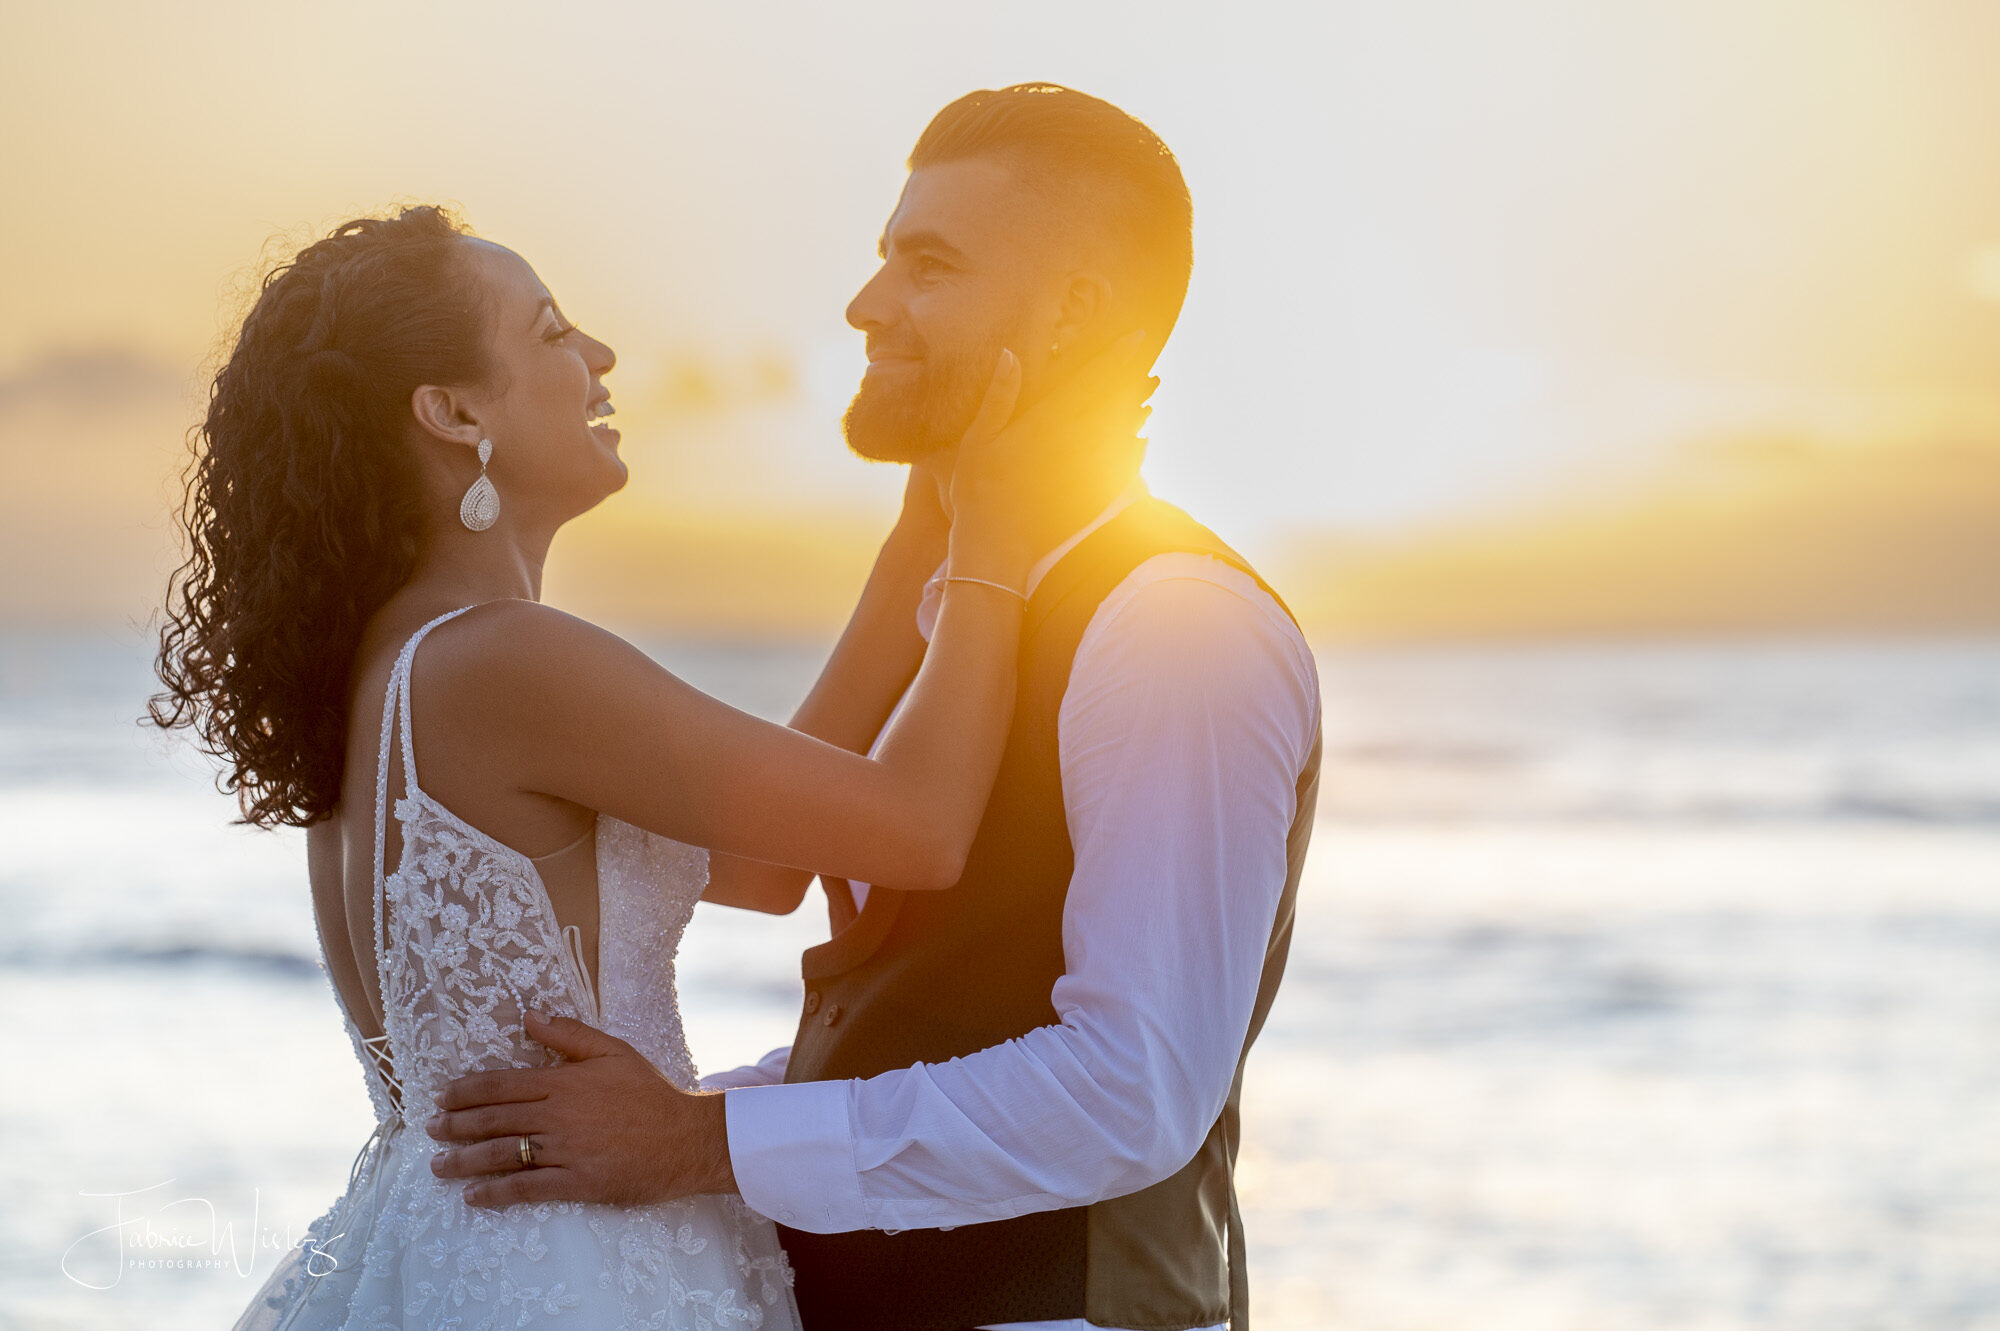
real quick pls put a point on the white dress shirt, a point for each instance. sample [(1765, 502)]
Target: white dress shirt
[(1190, 713)]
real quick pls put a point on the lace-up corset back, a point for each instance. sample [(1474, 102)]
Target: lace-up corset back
[(467, 940)]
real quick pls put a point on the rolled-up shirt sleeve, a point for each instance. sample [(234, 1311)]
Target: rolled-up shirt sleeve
[(1190, 712)]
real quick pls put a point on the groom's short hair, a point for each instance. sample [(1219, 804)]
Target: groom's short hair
[(1092, 158)]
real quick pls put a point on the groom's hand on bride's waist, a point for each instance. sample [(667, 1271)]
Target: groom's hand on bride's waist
[(604, 1126)]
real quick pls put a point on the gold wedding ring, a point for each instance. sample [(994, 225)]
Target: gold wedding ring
[(527, 1151)]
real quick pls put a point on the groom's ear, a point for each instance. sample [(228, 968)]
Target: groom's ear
[(1080, 319)]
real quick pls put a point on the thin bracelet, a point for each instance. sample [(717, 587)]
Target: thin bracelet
[(1022, 597)]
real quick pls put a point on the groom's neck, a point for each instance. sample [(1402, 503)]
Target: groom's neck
[(939, 467)]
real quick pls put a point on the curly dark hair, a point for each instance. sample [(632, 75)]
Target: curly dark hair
[(302, 506)]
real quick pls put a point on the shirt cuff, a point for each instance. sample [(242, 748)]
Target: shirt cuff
[(792, 1148)]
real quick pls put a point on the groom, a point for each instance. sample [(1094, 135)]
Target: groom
[(1015, 1101)]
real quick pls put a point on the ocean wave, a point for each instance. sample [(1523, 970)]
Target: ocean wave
[(277, 963), (1597, 789)]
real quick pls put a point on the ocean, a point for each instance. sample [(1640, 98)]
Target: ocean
[(1635, 986)]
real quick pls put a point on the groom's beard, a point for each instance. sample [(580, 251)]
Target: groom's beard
[(911, 420)]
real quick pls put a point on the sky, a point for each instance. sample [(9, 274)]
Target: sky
[(1448, 255)]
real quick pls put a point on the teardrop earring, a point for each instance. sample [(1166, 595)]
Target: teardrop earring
[(481, 506)]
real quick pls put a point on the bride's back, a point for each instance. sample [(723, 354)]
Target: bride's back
[(457, 872)]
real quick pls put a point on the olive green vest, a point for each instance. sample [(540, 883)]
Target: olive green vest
[(923, 977)]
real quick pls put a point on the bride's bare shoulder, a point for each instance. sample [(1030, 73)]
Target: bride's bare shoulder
[(515, 636), (516, 654), (500, 634)]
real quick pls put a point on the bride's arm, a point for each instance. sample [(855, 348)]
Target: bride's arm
[(590, 719), (870, 668), (879, 652)]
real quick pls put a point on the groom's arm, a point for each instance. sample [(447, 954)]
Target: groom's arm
[(1189, 714)]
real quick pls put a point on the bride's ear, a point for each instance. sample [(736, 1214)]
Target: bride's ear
[(444, 414)]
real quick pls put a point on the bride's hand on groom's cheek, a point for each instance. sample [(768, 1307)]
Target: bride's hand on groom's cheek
[(606, 1127)]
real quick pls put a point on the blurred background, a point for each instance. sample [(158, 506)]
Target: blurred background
[(1614, 390)]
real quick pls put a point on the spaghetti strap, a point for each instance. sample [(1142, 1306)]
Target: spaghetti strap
[(399, 683), (395, 703)]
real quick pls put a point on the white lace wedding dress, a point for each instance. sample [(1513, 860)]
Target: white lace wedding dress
[(465, 940)]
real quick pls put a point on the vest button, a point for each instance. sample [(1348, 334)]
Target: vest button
[(812, 1002), (832, 1014)]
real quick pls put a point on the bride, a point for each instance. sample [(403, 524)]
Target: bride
[(503, 803)]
